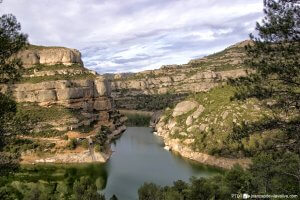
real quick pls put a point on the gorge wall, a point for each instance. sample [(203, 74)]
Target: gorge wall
[(55, 76), (139, 90), (65, 100), (35, 55)]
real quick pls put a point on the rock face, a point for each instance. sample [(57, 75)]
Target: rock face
[(49, 56), (89, 96), (184, 107), (198, 75), (184, 147), (55, 76), (200, 127)]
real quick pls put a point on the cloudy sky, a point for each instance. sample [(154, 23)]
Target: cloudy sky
[(135, 35)]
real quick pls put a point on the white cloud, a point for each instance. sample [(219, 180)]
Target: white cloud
[(113, 34)]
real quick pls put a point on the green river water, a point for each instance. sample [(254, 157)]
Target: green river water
[(138, 157)]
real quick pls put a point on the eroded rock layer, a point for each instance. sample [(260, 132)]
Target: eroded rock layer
[(64, 98), (132, 90), (49, 56)]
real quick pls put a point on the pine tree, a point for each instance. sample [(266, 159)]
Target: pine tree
[(11, 41), (274, 59)]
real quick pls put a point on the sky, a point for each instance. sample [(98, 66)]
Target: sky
[(134, 35)]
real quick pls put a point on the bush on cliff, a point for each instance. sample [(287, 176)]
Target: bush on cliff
[(72, 144), (101, 138)]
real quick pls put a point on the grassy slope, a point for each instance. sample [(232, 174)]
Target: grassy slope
[(38, 79), (220, 116)]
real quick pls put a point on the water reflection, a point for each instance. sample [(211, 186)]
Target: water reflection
[(139, 157)]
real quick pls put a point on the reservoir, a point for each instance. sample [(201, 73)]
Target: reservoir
[(138, 157)]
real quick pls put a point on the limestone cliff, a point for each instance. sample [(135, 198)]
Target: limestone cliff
[(34, 55), (62, 96), (132, 90)]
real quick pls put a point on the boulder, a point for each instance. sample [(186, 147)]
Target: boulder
[(184, 107), (189, 141), (171, 124), (175, 130), (189, 121), (202, 127), (224, 115), (192, 128), (184, 134), (198, 112)]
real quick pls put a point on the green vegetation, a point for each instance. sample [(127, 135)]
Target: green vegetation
[(48, 115), (72, 144), (266, 124), (98, 148), (18, 145), (221, 116), (35, 183), (137, 119), (42, 67), (152, 102), (57, 77), (84, 189), (50, 182), (86, 128), (11, 41), (101, 139), (53, 112), (268, 175), (276, 78), (85, 143)]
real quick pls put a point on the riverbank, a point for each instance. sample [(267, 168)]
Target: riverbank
[(139, 157), (185, 151), (61, 154)]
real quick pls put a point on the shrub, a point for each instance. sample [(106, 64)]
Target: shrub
[(137, 120), (65, 137), (98, 148), (72, 144), (85, 144)]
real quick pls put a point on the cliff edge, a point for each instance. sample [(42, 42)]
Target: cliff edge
[(69, 104)]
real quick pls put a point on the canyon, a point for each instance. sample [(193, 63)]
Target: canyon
[(65, 99), (138, 90), (73, 102)]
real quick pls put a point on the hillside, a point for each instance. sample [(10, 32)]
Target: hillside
[(202, 127), (173, 83), (63, 102)]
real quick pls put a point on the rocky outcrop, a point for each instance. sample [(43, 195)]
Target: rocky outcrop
[(70, 98), (184, 107), (184, 150), (35, 55), (183, 147), (90, 97), (82, 157), (56, 76), (201, 127), (130, 90)]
